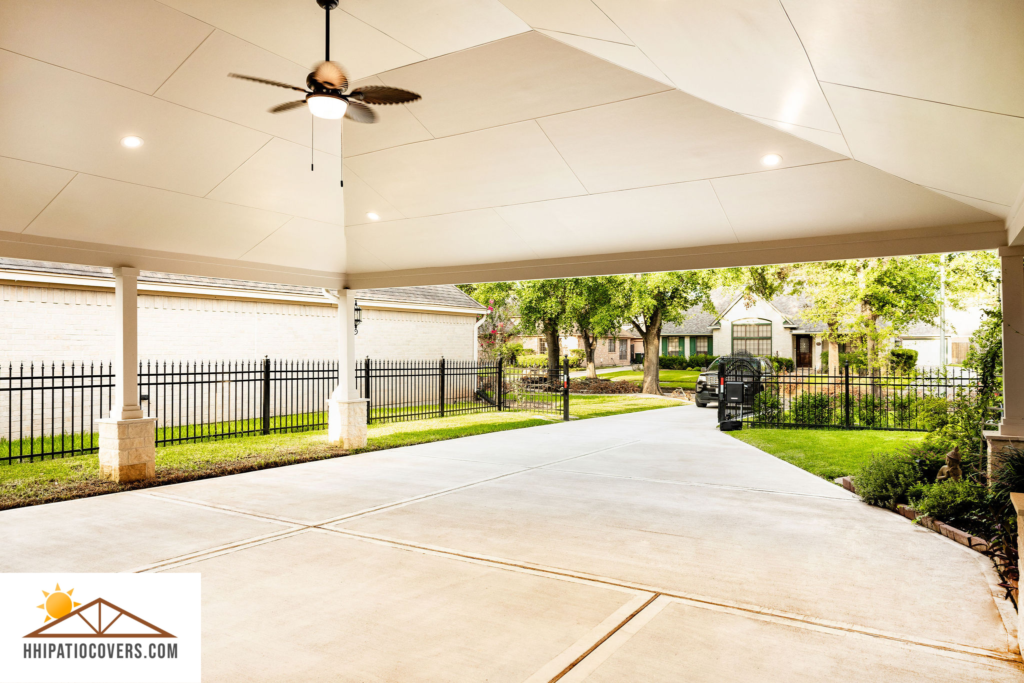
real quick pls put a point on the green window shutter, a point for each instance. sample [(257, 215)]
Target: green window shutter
[(664, 346), (693, 345), (711, 348)]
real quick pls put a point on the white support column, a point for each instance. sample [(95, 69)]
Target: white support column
[(1011, 427), (346, 418), (127, 439)]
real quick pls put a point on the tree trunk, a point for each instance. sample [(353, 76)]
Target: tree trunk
[(589, 347), (551, 335), (652, 337)]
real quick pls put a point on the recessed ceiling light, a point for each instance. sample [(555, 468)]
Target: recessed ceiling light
[(372, 216), (132, 141), (771, 159)]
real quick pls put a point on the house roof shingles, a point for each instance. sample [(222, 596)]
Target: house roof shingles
[(699, 322), (431, 295)]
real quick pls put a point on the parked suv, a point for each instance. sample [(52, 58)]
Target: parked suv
[(707, 382)]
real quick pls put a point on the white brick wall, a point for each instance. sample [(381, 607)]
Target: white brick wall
[(54, 324)]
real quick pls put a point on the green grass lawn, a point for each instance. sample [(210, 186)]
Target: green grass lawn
[(77, 477), (826, 453), (670, 379)]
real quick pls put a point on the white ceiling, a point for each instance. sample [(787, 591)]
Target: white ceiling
[(547, 130)]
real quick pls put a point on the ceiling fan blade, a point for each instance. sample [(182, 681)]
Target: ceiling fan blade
[(382, 94), (286, 106), (267, 82), (357, 111), (330, 75)]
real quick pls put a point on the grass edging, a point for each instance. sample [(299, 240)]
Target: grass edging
[(61, 479)]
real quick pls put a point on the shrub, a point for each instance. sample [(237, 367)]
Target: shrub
[(1008, 473), (812, 409), (902, 360), (904, 411), (694, 362), (511, 351), (886, 479), (870, 411), (577, 358), (962, 504), (932, 412), (858, 360), (780, 363), (767, 407)]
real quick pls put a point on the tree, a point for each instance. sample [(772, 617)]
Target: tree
[(766, 282), (650, 300), (542, 307), (832, 291), (499, 298), (591, 312)]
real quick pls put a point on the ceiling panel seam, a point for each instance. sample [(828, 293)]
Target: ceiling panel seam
[(725, 213), (382, 32), (921, 99), (362, 245), (235, 170), (795, 125), (635, 44), (52, 199), (613, 42), (569, 33), (349, 171), (559, 153), (515, 232), (513, 123), (961, 194), (267, 237), (169, 76), (814, 73), (632, 189)]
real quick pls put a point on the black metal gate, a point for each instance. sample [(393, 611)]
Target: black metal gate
[(739, 383)]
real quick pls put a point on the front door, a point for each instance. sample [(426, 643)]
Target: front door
[(803, 351)]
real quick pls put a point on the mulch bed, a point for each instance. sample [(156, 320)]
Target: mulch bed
[(602, 386)]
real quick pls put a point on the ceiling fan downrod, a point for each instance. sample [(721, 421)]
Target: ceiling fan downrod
[(328, 5)]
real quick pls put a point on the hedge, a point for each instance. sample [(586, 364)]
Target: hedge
[(695, 362)]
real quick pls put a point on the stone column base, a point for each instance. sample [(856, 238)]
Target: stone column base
[(346, 422), (997, 442), (127, 449)]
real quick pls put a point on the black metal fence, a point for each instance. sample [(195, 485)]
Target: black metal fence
[(918, 401), (51, 412)]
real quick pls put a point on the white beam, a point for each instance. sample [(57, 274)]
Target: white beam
[(1012, 423)]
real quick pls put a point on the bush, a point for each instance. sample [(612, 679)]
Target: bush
[(780, 363), (870, 412), (932, 412), (577, 358), (962, 504), (694, 362), (812, 409), (767, 407), (903, 360), (511, 351), (858, 360), (886, 479)]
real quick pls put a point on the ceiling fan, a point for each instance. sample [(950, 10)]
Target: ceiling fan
[(326, 86)]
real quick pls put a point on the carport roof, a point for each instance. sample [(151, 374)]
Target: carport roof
[(553, 139)]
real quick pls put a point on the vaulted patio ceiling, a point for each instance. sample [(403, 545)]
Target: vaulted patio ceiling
[(554, 138)]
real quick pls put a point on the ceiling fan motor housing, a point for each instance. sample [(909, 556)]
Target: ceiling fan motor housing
[(328, 4)]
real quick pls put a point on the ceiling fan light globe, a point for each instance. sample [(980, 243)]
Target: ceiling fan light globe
[(326, 106)]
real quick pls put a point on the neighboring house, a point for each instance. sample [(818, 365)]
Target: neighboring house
[(762, 329), (610, 351), (54, 312), (776, 328)]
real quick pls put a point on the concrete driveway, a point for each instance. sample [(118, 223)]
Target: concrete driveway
[(643, 547)]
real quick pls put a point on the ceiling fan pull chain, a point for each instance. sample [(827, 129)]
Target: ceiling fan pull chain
[(341, 152), (312, 127)]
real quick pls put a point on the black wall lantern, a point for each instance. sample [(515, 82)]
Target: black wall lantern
[(358, 317)]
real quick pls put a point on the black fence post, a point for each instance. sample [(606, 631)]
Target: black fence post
[(367, 375), (846, 391), (266, 395), (440, 386), (721, 392), (565, 389), (499, 392)]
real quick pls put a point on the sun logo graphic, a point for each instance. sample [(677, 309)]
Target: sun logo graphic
[(66, 618), (58, 603)]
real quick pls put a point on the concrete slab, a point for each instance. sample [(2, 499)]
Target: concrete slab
[(687, 642), (319, 606), (829, 559), (116, 533), (314, 492), (527, 447)]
